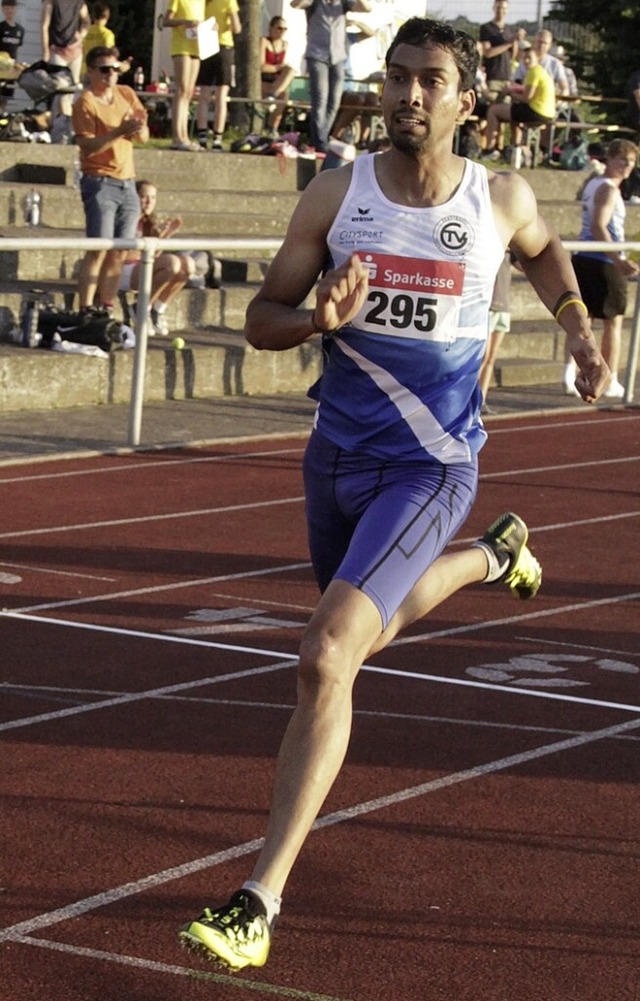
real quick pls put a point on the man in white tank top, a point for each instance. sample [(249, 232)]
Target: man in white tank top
[(603, 277), (414, 237)]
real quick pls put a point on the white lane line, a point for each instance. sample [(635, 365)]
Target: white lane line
[(570, 466), (579, 646), (226, 509), (129, 697), (128, 463), (589, 415), (111, 896), (113, 595), (30, 568), (228, 980), (169, 516), (511, 619), (33, 691), (291, 659), (536, 693), (159, 588), (141, 466)]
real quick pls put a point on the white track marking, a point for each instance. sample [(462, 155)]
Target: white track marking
[(578, 646), (141, 634), (225, 509), (56, 573), (278, 569), (35, 690), (589, 414), (142, 519), (228, 979), (142, 466), (159, 588), (136, 463), (287, 661), (437, 679), (111, 896), (511, 619), (129, 697), (560, 466)]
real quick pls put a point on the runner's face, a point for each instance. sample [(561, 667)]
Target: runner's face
[(421, 101)]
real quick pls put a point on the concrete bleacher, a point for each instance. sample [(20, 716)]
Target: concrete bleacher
[(229, 195)]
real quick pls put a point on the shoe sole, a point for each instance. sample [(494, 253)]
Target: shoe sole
[(230, 961), (193, 945)]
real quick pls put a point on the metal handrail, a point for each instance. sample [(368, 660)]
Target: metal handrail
[(149, 247)]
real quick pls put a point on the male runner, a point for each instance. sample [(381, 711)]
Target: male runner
[(412, 239)]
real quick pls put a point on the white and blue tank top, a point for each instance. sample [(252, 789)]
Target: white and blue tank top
[(401, 379), (615, 226)]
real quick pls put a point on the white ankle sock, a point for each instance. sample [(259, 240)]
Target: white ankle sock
[(269, 899), (494, 568)]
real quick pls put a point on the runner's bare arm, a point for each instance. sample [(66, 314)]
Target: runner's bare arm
[(548, 267), (274, 319)]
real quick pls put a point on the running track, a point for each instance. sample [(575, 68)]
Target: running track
[(481, 843)]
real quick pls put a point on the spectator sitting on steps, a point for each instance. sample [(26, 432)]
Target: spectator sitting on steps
[(171, 271), (275, 74)]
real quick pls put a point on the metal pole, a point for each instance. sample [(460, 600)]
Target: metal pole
[(140, 351), (634, 345)]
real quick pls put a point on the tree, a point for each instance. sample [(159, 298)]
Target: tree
[(616, 24), (132, 24)]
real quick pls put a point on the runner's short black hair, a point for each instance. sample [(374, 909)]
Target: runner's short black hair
[(425, 31)]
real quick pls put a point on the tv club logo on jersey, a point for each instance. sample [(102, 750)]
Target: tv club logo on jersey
[(455, 236)]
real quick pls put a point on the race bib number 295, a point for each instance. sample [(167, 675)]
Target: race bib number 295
[(412, 298)]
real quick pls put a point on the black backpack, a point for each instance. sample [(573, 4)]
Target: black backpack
[(96, 328)]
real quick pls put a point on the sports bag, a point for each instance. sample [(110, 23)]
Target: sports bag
[(96, 328)]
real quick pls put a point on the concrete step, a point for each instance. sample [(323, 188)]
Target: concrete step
[(213, 364), (540, 339), (205, 213), (526, 371), (35, 163)]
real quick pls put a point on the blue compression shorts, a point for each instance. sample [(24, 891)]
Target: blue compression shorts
[(380, 525)]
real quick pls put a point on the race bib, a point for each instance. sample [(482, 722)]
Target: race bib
[(410, 297)]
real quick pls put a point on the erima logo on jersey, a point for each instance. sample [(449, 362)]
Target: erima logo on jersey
[(455, 236), (363, 215)]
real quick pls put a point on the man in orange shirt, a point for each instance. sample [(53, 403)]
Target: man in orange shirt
[(107, 118)]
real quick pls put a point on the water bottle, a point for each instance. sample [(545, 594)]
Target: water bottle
[(138, 79), (516, 157), (32, 208), (30, 337)]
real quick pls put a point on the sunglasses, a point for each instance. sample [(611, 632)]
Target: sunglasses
[(107, 69)]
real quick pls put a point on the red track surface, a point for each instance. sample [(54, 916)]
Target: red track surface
[(481, 843)]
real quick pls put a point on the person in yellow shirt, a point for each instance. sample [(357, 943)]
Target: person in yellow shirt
[(99, 34), (218, 72), (534, 101), (183, 17)]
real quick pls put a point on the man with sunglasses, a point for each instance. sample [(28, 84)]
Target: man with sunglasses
[(107, 118)]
